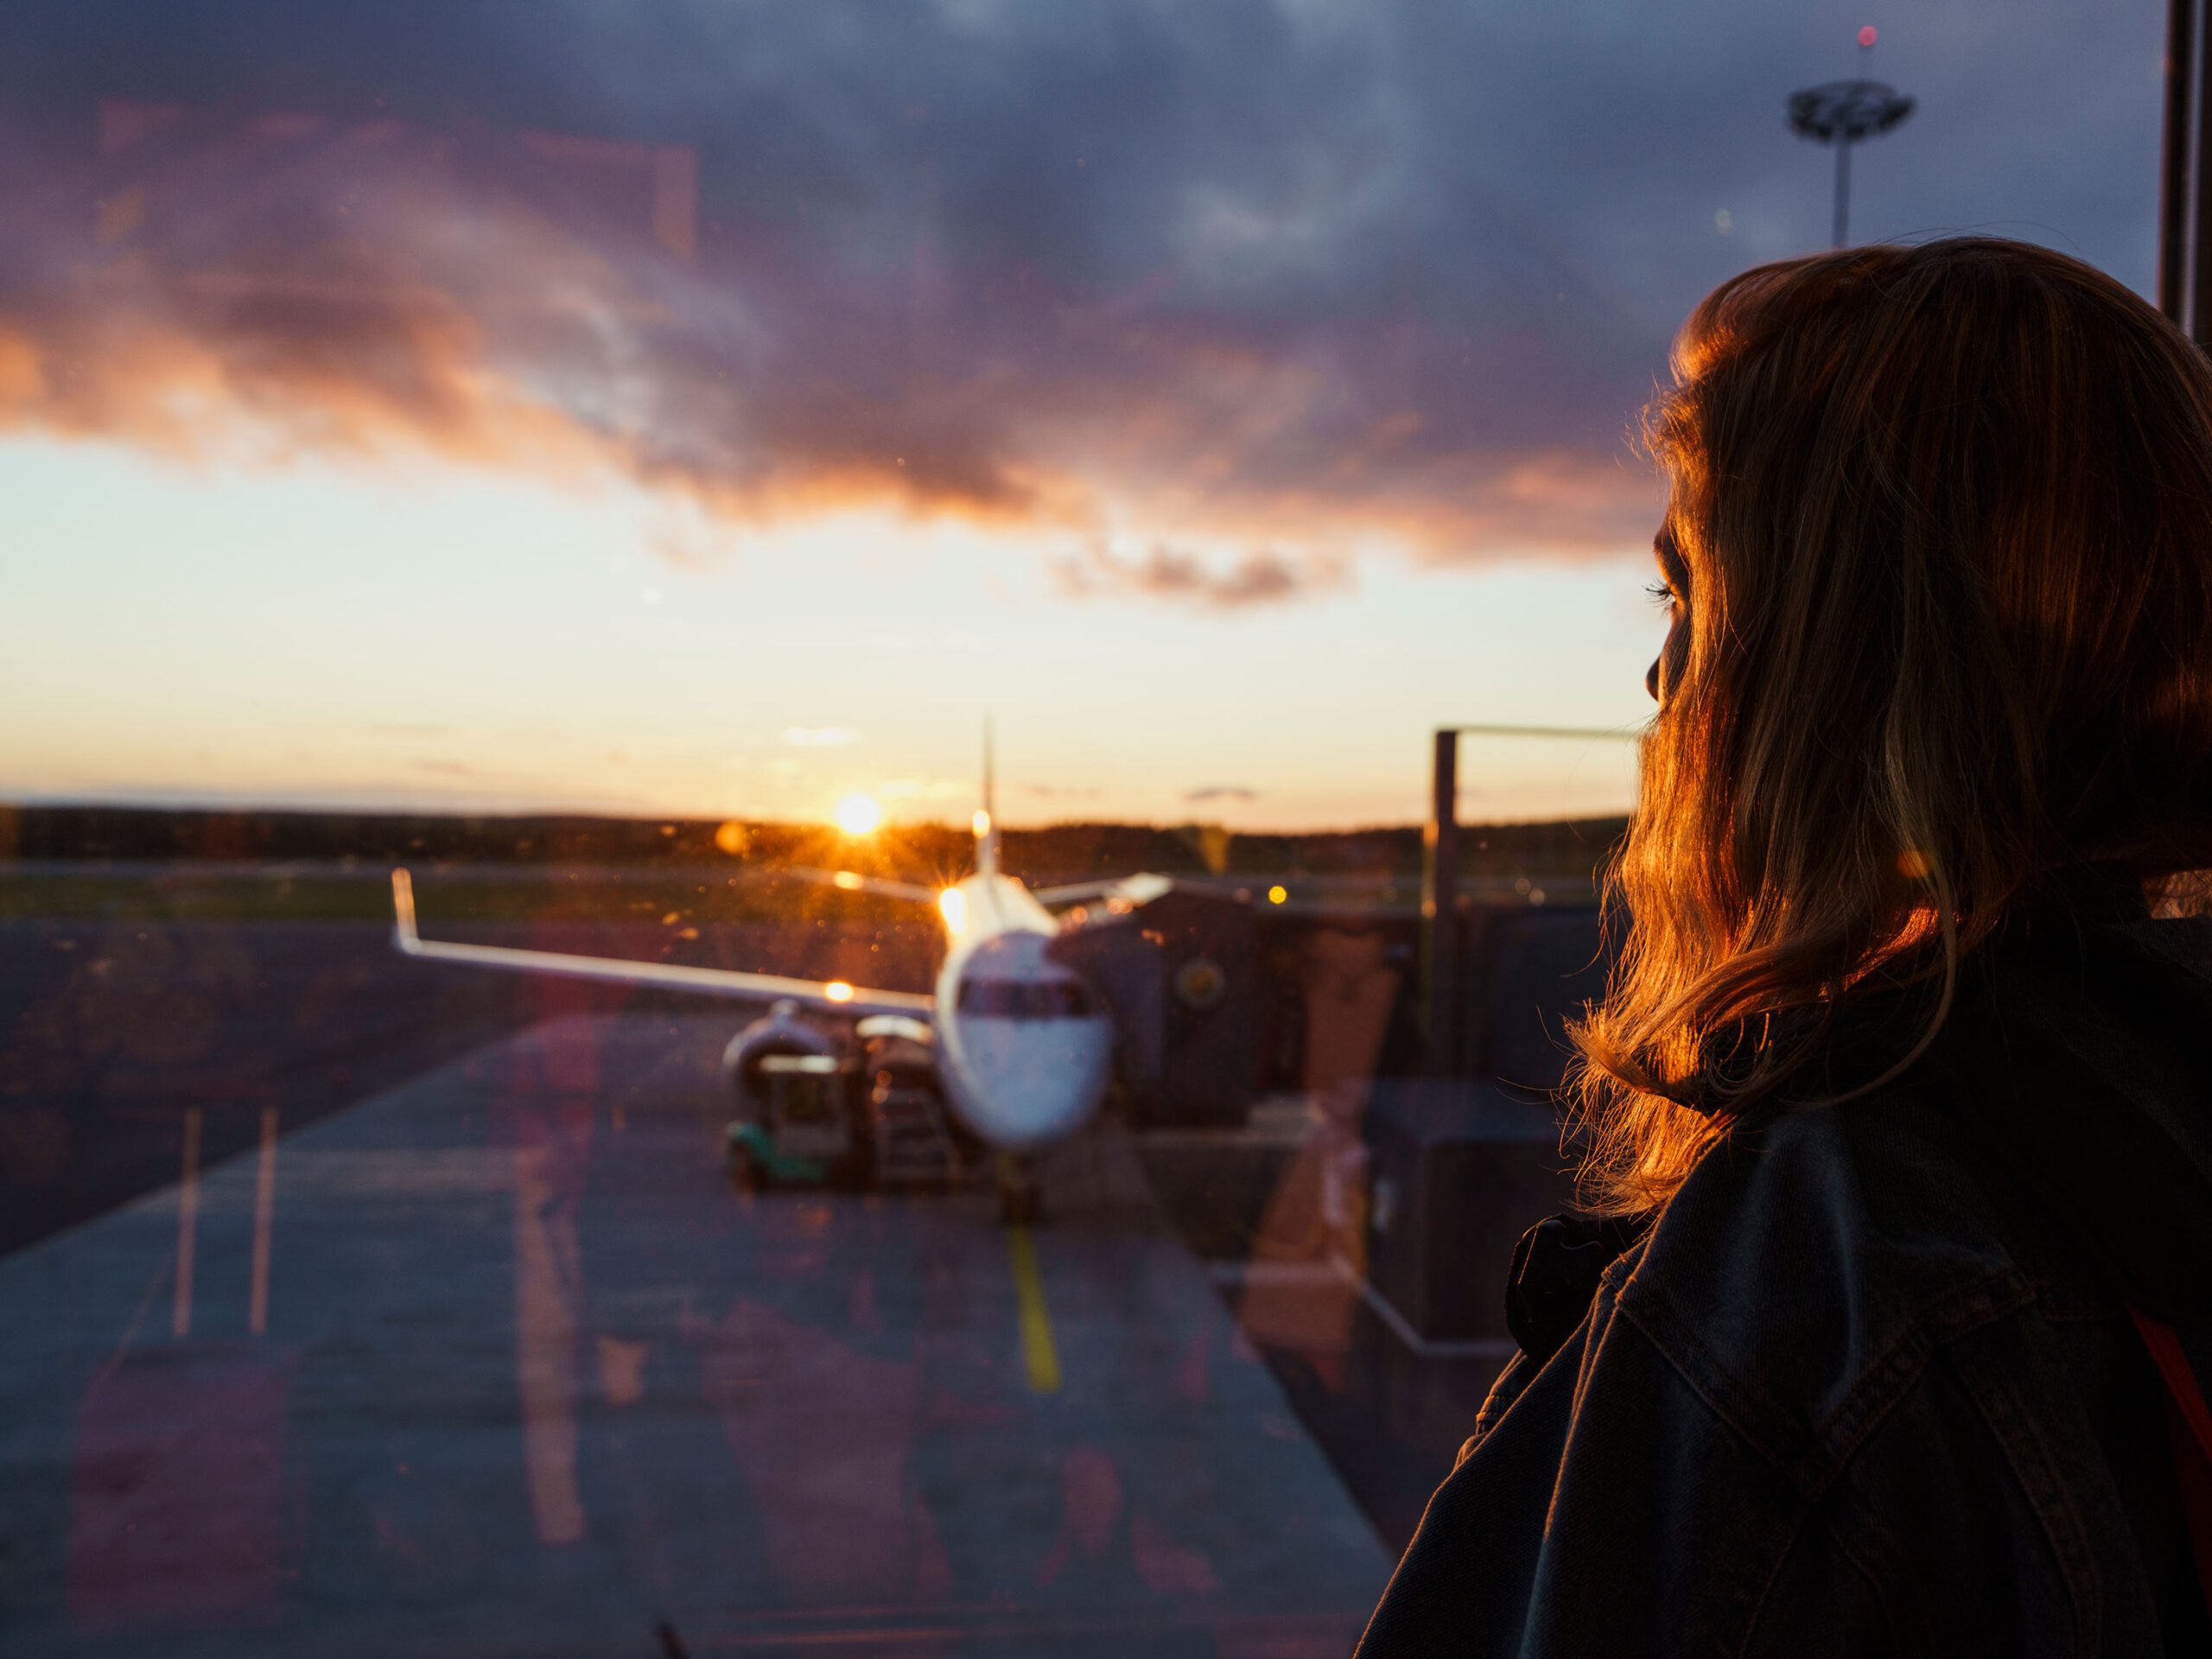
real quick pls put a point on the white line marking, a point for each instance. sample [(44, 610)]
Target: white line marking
[(1336, 1271), (188, 1220), (264, 1204)]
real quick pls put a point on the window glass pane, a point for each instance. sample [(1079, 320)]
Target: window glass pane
[(603, 466)]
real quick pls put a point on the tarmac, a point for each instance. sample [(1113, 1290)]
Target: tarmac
[(495, 1362)]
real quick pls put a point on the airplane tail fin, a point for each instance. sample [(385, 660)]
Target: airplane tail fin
[(987, 818), (403, 912)]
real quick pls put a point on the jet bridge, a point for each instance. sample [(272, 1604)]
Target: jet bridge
[(1179, 967)]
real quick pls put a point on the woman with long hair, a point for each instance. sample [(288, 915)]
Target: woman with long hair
[(1879, 1335)]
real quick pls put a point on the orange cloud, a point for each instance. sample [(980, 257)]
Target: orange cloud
[(287, 286)]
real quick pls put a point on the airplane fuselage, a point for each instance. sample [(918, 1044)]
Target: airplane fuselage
[(1025, 1047)]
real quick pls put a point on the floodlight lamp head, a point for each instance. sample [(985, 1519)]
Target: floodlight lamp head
[(1846, 112)]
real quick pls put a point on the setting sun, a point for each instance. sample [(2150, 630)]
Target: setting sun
[(859, 815)]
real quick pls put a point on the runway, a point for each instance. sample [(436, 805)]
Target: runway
[(494, 1361)]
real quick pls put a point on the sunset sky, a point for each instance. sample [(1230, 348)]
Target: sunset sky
[(715, 408)]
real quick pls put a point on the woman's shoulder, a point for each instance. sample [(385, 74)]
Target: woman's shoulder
[(1806, 1271)]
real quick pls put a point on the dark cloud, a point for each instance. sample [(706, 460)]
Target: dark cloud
[(1291, 277), (1220, 792)]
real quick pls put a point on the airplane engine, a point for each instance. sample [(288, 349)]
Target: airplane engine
[(782, 1031)]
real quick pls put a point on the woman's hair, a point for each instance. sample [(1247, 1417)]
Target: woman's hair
[(1945, 517)]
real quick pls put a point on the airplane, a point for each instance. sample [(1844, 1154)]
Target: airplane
[(1021, 1045)]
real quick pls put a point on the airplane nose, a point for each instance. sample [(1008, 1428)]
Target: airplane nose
[(1060, 1104), (1069, 1104), (1026, 1088)]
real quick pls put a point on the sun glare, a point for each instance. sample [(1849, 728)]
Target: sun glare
[(860, 815), (838, 991), (952, 904)]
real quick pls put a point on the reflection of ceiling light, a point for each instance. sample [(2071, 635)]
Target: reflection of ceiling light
[(837, 991), (859, 815), (954, 905)]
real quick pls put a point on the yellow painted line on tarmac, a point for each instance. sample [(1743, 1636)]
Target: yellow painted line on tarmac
[(1037, 1353)]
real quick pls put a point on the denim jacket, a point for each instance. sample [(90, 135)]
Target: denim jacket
[(1863, 1388)]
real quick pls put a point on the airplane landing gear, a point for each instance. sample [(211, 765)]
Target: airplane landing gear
[(1020, 1201)]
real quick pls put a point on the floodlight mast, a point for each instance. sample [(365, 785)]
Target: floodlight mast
[(1843, 113), (2185, 184)]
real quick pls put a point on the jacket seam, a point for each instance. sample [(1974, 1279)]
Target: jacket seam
[(2115, 1314), (2020, 1439), (1651, 1312), (1794, 1536), (1897, 1366), (1939, 1326), (1750, 1603), (1840, 1536)]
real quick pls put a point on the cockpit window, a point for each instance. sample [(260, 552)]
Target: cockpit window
[(1027, 999)]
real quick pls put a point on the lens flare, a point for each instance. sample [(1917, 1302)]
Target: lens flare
[(952, 904), (860, 815)]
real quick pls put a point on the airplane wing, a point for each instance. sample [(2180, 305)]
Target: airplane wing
[(826, 996), (853, 881), (1139, 889)]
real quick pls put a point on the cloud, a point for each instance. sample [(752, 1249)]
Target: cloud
[(1061, 791), (1260, 576), (1305, 280), (1220, 792), (820, 737)]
